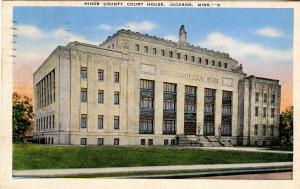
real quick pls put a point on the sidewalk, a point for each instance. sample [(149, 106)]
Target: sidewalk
[(248, 149), (94, 171)]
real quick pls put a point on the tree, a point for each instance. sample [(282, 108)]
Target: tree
[(286, 127), (22, 116)]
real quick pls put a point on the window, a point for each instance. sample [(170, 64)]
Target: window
[(213, 63), (199, 60), (83, 95), (154, 50), (272, 130), (150, 142), (206, 61), (83, 73), (169, 127), (166, 142), (225, 65), (100, 121), (116, 141), (50, 125), (137, 47), (190, 90), (256, 111), (209, 92), (193, 58), (113, 46), (169, 87), (117, 77), (83, 121), (145, 49), (146, 84), (162, 52), (143, 141), (170, 54), (83, 141), (116, 122), (255, 129), (272, 112), (116, 98), (146, 102), (169, 105), (209, 108), (100, 75), (256, 97), (265, 112), (185, 57), (100, 96), (272, 98), (219, 64), (53, 121), (178, 55), (100, 141), (173, 142), (265, 97), (146, 126), (264, 130), (255, 143)]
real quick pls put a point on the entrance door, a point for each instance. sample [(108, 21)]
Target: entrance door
[(209, 129), (190, 128)]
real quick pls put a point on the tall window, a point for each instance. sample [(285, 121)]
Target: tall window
[(145, 49), (169, 87), (264, 130), (83, 73), (100, 141), (206, 61), (193, 58), (100, 75), (169, 105), (117, 77), (185, 57), (117, 98), (170, 54), (83, 121), (190, 90), (265, 97), (83, 141), (272, 130), (272, 98), (146, 125), (272, 112), (154, 50), (137, 47), (256, 111), (213, 63), (146, 84), (225, 65), (162, 52), (100, 121), (199, 60), (219, 64), (116, 122), (100, 96), (255, 129), (265, 112), (178, 55), (83, 95), (256, 97), (169, 127), (146, 102), (116, 141)]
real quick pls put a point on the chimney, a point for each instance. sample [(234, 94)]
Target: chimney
[(182, 35)]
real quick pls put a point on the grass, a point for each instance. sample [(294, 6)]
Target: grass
[(28, 156)]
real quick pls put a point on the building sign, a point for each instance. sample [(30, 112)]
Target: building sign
[(196, 77), (227, 82), (148, 69)]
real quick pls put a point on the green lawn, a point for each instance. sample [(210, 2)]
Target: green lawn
[(28, 156)]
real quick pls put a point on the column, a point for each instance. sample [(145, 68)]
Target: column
[(158, 107), (218, 110), (180, 109), (200, 109)]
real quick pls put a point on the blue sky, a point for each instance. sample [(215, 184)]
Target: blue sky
[(257, 38)]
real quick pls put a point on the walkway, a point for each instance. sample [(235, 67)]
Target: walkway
[(94, 171)]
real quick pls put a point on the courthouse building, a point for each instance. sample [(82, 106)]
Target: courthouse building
[(136, 89)]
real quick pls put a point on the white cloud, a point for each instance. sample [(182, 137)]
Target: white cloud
[(30, 31), (269, 32), (144, 26), (171, 37), (105, 27), (64, 35)]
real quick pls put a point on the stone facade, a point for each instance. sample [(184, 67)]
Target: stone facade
[(136, 89)]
